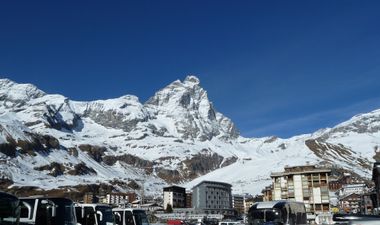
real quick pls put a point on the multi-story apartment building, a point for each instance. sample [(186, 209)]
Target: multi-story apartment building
[(118, 198), (350, 203), (337, 183), (249, 201), (267, 193), (174, 196), (90, 198), (238, 203), (189, 196), (213, 197), (307, 184)]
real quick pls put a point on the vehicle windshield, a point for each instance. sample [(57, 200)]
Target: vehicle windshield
[(9, 209), (107, 218), (65, 214), (140, 217), (265, 216)]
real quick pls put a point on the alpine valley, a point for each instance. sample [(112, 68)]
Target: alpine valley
[(49, 142)]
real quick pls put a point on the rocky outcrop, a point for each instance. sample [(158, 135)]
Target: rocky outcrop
[(81, 169), (170, 176), (330, 152), (203, 163), (131, 160), (55, 119), (95, 152), (34, 143), (8, 149), (55, 169), (126, 112)]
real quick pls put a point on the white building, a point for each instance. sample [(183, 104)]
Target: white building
[(116, 199), (213, 197), (174, 196)]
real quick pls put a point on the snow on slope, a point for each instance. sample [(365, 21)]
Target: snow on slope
[(251, 174), (177, 135)]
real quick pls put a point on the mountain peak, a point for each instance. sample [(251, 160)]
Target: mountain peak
[(13, 91), (191, 79), (188, 108)]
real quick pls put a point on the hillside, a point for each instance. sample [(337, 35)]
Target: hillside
[(49, 141)]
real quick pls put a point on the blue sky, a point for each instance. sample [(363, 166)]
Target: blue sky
[(274, 67)]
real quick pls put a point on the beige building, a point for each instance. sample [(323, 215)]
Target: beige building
[(116, 199), (267, 193), (307, 184), (248, 203)]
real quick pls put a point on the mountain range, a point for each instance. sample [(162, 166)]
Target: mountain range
[(50, 142)]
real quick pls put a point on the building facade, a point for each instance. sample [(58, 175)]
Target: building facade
[(174, 196), (249, 201), (116, 199), (267, 193), (350, 203), (90, 198), (348, 189), (306, 184), (189, 196), (212, 196), (238, 203)]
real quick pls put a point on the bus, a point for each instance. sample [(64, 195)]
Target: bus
[(41, 210), (94, 214), (129, 216), (278, 213), (9, 209)]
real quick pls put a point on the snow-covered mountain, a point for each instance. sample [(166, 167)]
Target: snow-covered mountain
[(49, 141)]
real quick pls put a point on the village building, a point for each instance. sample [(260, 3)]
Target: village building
[(307, 184)]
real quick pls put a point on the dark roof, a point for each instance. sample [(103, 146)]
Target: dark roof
[(213, 182), (174, 187), (8, 196)]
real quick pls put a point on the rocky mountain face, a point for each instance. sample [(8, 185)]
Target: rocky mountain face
[(48, 138), (49, 141)]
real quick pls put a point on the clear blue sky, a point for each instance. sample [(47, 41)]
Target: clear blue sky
[(274, 67)]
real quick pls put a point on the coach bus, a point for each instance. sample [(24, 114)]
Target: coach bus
[(41, 210), (9, 209), (94, 214), (278, 213), (129, 216)]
